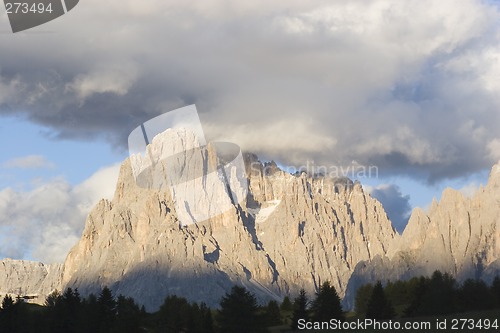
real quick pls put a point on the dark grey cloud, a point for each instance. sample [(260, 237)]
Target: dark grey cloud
[(396, 205), (409, 86)]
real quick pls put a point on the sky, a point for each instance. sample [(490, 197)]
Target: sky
[(411, 87)]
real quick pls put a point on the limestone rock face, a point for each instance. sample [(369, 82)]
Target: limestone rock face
[(28, 278), (458, 235), (291, 232)]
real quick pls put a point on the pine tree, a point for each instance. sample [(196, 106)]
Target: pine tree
[(91, 315), (208, 323), (7, 303), (440, 297), (273, 314), (107, 309), (174, 314), (128, 315), (286, 305), (363, 295), (64, 311), (7, 315), (379, 307), (421, 287), (52, 299), (327, 304), (475, 295), (300, 309), (71, 300), (238, 312)]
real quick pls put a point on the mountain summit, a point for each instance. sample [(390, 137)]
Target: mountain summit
[(292, 232)]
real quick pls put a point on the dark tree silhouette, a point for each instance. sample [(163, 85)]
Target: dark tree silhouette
[(174, 314), (379, 307), (400, 292), (91, 316), (52, 299), (327, 304), (421, 288), (475, 295), (239, 312), (273, 314), (128, 316), (437, 295), (107, 309), (199, 319), (206, 318), (495, 290), (300, 309), (64, 311), (7, 303), (286, 305), (8, 316), (363, 295)]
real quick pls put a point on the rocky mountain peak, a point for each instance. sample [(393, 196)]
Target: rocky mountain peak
[(28, 278), (459, 235), (494, 179), (290, 232)]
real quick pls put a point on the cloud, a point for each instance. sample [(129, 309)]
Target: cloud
[(29, 162), (469, 189), (494, 149), (45, 222), (411, 87), (396, 205), (107, 80)]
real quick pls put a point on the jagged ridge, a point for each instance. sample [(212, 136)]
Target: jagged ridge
[(458, 235), (293, 232)]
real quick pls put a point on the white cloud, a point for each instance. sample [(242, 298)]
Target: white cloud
[(292, 133), (116, 80), (45, 222), (470, 189), (100, 185), (494, 149), (29, 162)]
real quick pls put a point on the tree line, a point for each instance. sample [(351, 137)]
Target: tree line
[(239, 310), (70, 313), (437, 295)]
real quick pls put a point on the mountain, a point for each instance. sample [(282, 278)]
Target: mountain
[(28, 278), (458, 235), (292, 232)]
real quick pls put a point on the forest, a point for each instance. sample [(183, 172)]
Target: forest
[(437, 295), (239, 310)]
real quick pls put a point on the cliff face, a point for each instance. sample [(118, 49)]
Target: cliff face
[(28, 278), (458, 235), (292, 232)]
